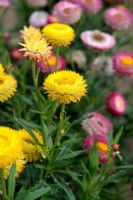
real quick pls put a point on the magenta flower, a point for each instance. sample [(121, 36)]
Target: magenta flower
[(5, 3), (98, 40), (96, 124), (102, 145), (67, 12), (118, 18), (123, 63), (50, 65), (38, 18), (116, 103), (16, 54), (92, 6)]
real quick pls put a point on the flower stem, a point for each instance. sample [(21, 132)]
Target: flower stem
[(39, 98), (57, 58), (3, 185)]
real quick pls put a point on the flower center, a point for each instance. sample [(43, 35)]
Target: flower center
[(64, 81), (98, 37), (1, 81), (102, 147), (67, 10), (119, 103), (51, 61), (89, 1), (127, 61), (119, 16)]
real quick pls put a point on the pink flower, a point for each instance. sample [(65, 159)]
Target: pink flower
[(92, 6), (67, 12), (5, 3), (52, 19), (123, 63), (96, 124), (16, 54), (38, 18), (118, 18), (37, 3), (50, 65), (98, 40), (116, 103), (102, 145)]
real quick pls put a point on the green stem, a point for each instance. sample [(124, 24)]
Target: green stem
[(57, 57), (3, 185), (35, 81)]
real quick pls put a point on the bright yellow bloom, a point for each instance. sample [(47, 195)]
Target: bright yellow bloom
[(31, 150), (35, 46), (65, 86), (58, 34), (20, 165), (28, 32), (8, 86), (1, 69), (10, 147)]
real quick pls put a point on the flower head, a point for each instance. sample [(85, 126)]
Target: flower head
[(30, 148), (98, 40), (16, 54), (5, 3), (1, 68), (10, 147), (123, 63), (118, 18), (8, 86), (50, 65), (35, 46), (92, 6), (65, 86), (38, 18), (96, 124), (58, 34), (102, 146), (116, 103), (67, 12)]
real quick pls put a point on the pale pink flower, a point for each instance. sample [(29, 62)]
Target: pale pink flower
[(67, 12)]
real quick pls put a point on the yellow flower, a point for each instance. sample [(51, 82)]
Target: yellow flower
[(1, 69), (28, 32), (35, 46), (65, 86), (58, 34), (20, 164), (31, 150), (10, 147), (8, 86)]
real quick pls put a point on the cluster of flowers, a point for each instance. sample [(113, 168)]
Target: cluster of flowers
[(17, 146)]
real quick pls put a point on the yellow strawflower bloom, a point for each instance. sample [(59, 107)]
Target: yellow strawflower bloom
[(20, 165), (28, 32), (8, 86), (58, 34), (10, 147), (31, 150), (65, 86), (34, 44)]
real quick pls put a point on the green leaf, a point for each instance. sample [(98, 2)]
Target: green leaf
[(61, 183), (37, 193), (11, 181), (118, 136), (70, 155), (94, 158)]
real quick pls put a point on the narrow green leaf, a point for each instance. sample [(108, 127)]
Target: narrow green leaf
[(61, 183), (37, 193), (11, 181)]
